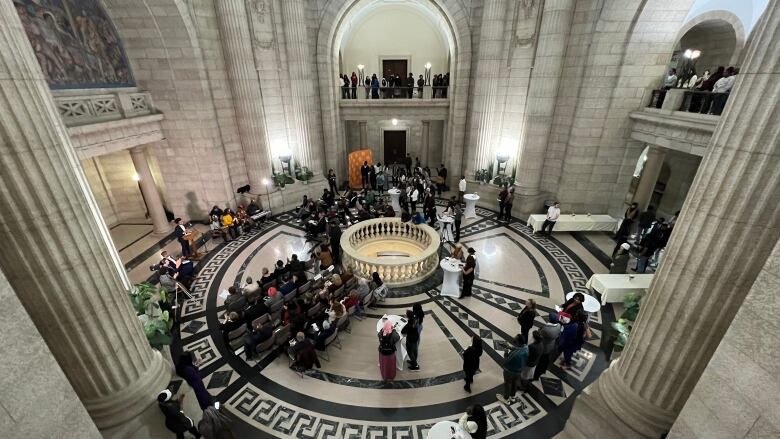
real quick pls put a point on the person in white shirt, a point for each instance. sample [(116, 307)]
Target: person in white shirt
[(413, 199), (552, 216), (671, 79), (461, 189), (722, 86)]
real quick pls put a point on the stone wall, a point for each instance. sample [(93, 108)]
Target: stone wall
[(37, 399), (735, 396), (717, 43)]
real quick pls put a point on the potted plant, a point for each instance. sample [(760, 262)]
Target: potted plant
[(621, 329), (281, 180), (146, 300), (483, 176), (303, 174)]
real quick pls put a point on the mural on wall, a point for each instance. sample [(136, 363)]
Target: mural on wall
[(75, 42)]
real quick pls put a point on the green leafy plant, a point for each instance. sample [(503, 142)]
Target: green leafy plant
[(632, 303), (146, 300), (502, 180), (483, 175), (303, 173), (622, 330), (282, 179)]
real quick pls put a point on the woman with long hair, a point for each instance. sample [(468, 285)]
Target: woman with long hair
[(471, 361)]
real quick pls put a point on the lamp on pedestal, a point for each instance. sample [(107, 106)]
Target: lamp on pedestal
[(267, 197), (502, 158), (361, 74), (286, 157), (427, 73)]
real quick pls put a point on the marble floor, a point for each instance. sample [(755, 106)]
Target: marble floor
[(346, 398)]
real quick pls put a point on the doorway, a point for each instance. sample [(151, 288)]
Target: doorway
[(395, 146), (394, 67)]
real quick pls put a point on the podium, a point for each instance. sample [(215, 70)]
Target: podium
[(192, 236)]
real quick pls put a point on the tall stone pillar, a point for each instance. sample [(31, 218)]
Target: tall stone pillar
[(649, 177), (245, 87), (426, 143), (309, 150), (542, 94), (728, 228), (483, 131), (363, 134), (55, 255), (149, 190)]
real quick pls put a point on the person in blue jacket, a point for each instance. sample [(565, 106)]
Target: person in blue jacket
[(514, 362)]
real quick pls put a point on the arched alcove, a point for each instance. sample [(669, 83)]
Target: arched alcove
[(718, 35)]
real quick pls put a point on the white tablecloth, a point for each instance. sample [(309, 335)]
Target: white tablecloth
[(400, 347), (394, 195), (614, 287), (471, 203), (576, 223), (443, 430), (450, 286)]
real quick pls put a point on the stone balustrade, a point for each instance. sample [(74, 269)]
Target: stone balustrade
[(90, 108), (394, 272)]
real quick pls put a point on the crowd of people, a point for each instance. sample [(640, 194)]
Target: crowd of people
[(647, 244), (392, 86), (720, 83), (230, 224)]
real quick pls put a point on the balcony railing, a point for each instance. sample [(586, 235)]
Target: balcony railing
[(704, 102), (94, 108), (424, 92)]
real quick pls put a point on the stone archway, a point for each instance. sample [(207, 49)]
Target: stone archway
[(455, 18), (722, 19)]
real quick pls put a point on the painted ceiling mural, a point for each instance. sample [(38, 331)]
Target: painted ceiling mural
[(75, 42)]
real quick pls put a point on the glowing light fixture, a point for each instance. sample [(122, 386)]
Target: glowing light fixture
[(394, 122)]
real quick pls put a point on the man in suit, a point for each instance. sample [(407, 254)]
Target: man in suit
[(260, 334), (364, 171), (179, 232)]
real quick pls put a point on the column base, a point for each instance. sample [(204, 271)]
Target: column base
[(607, 409), (127, 404)]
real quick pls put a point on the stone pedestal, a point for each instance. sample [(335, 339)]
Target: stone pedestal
[(649, 177), (149, 191), (726, 232), (56, 254)]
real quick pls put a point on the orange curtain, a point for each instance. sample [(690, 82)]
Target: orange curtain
[(356, 160)]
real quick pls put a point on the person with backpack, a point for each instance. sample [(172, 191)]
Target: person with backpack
[(514, 363), (387, 342)]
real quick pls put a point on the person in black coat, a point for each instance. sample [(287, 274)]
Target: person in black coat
[(412, 337), (526, 318), (364, 172), (471, 361), (175, 419)]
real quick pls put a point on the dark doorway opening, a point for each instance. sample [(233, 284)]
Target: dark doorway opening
[(395, 147), (394, 67)]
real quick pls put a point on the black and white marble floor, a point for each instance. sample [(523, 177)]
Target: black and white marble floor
[(346, 398)]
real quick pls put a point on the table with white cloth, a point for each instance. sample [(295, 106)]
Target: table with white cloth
[(447, 234), (452, 270), (614, 287), (444, 429), (395, 194), (576, 223), (471, 204), (400, 349)]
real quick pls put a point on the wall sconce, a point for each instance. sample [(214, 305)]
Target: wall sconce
[(428, 73), (692, 54), (394, 122), (361, 75)]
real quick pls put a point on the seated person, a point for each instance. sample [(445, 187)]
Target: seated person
[(231, 323), (323, 298), (257, 308), (280, 272), (228, 224), (267, 276), (418, 218), (347, 275), (389, 211), (258, 335), (216, 226), (335, 283), (352, 300), (303, 353), (325, 257), (326, 330), (294, 265), (215, 211), (273, 297), (252, 208), (405, 217), (316, 227), (290, 310), (166, 280), (336, 311), (169, 262), (288, 287), (251, 289), (300, 279), (377, 286), (297, 320), (235, 300), (302, 211), (244, 221)]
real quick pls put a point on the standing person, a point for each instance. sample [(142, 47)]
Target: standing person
[(475, 422), (380, 179), (461, 188), (629, 217), (646, 220), (415, 195), (420, 316), (510, 199), (526, 317), (374, 87), (409, 86), (468, 274), (619, 263), (345, 89), (553, 213), (372, 177), (671, 79), (550, 332), (215, 425), (180, 231), (457, 214), (334, 233), (408, 164), (367, 86), (442, 173), (471, 361), (188, 370), (513, 365), (535, 350), (387, 341), (354, 81), (364, 171), (420, 84), (568, 340), (501, 201), (332, 184), (175, 419), (412, 339)]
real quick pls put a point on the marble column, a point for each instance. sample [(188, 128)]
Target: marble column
[(363, 134), (727, 230), (542, 94), (650, 173), (483, 129), (55, 254), (245, 88), (426, 131), (308, 152), (149, 190)]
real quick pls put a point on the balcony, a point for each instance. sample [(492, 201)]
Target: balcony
[(432, 104), (107, 120)]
